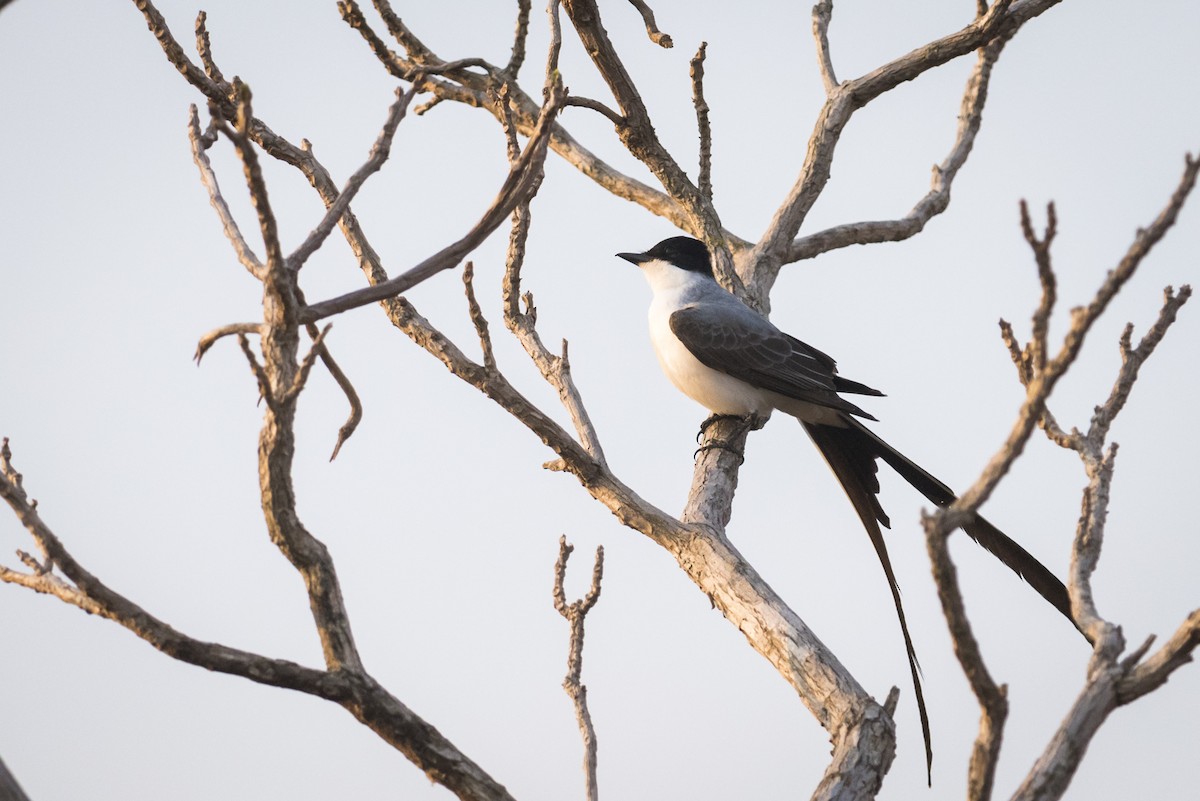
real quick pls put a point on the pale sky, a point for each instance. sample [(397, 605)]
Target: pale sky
[(442, 522)]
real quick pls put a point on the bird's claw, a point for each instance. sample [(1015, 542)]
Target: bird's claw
[(744, 424), (725, 446), (713, 419)]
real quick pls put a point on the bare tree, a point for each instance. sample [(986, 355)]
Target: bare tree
[(531, 126)]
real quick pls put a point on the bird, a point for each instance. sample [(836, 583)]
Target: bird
[(736, 363)]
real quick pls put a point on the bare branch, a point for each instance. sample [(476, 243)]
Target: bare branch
[(477, 318), (1025, 373), (258, 187), (1132, 360), (208, 177), (1154, 672), (597, 106), (364, 698), (937, 199), (575, 613), (415, 48), (822, 14), (658, 37), (553, 51), (342, 380), (1035, 353), (992, 698), (204, 48), (1082, 319), (356, 409), (210, 339), (521, 180), (428, 105), (556, 370), (697, 74), (1107, 676), (776, 246), (1098, 465), (379, 154), (174, 53), (265, 391), (87, 592), (310, 358), (518, 49), (639, 138)]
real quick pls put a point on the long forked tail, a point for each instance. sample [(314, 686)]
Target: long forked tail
[(865, 444), (858, 478)]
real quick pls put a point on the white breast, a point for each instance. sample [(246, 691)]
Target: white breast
[(716, 391)]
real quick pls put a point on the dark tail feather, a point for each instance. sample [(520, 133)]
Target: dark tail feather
[(855, 469), (1019, 560)]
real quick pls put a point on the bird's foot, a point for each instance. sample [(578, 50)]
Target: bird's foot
[(725, 446), (745, 424), (712, 420)]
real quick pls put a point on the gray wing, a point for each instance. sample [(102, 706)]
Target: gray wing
[(740, 343)]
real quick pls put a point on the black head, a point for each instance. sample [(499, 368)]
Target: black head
[(682, 251)]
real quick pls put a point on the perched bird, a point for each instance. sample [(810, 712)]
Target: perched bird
[(733, 361)]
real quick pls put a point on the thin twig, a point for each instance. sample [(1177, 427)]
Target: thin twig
[(992, 698), (937, 199), (210, 339), (204, 48), (522, 178), (1099, 463), (1154, 672), (1036, 350), (477, 318), (638, 136), (556, 370), (1082, 319), (822, 14), (776, 246), (310, 358), (658, 37), (379, 154), (208, 177), (343, 381), (704, 181), (1132, 359), (575, 613), (596, 105), (553, 50), (260, 375), (402, 34), (257, 185), (518, 49)]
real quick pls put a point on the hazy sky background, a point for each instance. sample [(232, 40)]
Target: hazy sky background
[(442, 522)]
